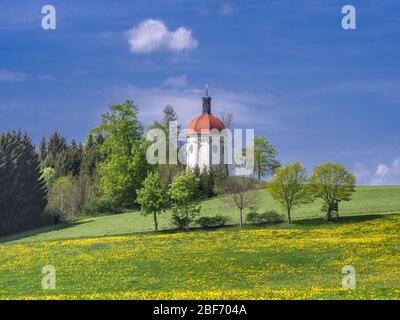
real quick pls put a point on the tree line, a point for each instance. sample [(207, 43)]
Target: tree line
[(108, 173), (59, 180), (289, 186)]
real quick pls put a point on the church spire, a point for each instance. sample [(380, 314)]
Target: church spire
[(206, 102)]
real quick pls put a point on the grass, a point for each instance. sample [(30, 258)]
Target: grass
[(116, 257), (301, 261), (366, 200)]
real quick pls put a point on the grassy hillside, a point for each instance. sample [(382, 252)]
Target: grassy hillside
[(366, 200), (302, 261)]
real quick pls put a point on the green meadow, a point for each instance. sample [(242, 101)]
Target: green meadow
[(119, 257), (366, 200)]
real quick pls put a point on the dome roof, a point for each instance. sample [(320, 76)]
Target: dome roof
[(206, 122)]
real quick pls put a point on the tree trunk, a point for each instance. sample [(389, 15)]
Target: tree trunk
[(289, 216), (155, 222), (187, 222), (241, 217), (329, 215)]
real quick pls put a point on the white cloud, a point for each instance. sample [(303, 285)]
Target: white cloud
[(153, 35), (382, 170), (383, 174), (188, 104), (6, 75), (176, 82)]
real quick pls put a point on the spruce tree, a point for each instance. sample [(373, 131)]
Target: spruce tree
[(22, 192), (56, 153), (73, 158), (42, 152), (91, 154)]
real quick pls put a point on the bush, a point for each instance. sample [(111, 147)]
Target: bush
[(179, 221), (217, 221), (182, 216), (103, 204), (268, 217)]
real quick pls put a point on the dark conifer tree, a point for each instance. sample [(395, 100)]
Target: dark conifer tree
[(56, 153), (42, 152), (22, 193), (91, 154), (72, 159), (57, 144)]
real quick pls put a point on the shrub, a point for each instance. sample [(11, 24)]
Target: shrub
[(179, 221), (217, 221), (182, 217), (102, 204), (268, 217)]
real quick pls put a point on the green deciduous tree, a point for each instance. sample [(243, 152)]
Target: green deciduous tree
[(62, 202), (168, 170), (265, 162), (183, 192), (152, 196), (124, 167), (288, 187), (49, 177), (332, 183)]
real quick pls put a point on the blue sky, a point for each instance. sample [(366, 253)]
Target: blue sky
[(285, 68)]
